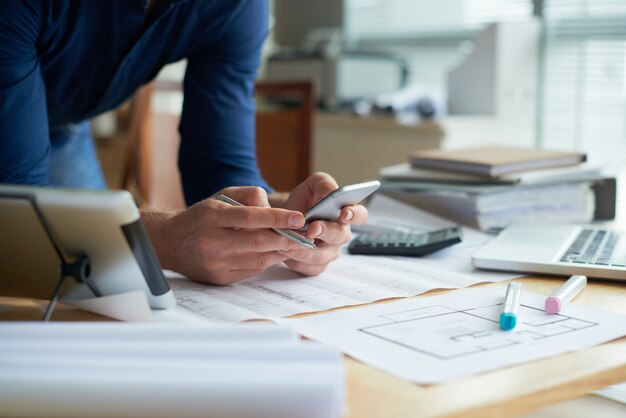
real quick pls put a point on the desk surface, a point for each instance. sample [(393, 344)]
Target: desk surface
[(506, 392)]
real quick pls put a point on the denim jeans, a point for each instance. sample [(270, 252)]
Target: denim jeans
[(73, 159)]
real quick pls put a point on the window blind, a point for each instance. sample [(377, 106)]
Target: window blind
[(371, 19), (433, 36), (583, 103)]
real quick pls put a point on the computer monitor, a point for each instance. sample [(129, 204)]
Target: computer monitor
[(104, 226)]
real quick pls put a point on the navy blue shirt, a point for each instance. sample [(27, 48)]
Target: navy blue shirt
[(65, 61)]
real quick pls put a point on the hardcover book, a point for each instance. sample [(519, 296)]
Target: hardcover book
[(494, 161)]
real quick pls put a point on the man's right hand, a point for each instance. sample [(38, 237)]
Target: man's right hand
[(213, 242)]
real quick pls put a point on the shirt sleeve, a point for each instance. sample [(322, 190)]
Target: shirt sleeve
[(24, 136), (217, 125)]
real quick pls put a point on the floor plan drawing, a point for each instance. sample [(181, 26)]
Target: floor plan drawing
[(447, 336), (445, 333)]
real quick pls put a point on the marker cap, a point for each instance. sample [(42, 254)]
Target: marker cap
[(559, 299), (553, 305), (508, 321)]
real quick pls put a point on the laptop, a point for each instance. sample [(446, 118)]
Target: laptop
[(592, 250), (41, 227)]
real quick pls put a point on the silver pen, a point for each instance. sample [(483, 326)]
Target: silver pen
[(287, 233)]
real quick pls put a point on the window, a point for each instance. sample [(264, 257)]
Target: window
[(583, 63), (583, 103), (433, 36)]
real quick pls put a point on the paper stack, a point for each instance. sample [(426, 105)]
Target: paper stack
[(166, 370), (491, 187)]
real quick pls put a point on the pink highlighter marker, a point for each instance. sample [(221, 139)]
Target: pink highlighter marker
[(564, 294)]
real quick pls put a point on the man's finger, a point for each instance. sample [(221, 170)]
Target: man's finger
[(306, 269), (323, 255), (329, 232), (259, 261), (257, 241), (355, 215), (247, 195), (322, 185), (256, 217)]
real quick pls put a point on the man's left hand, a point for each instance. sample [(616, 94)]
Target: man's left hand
[(329, 236)]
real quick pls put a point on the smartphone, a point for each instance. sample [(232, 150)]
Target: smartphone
[(329, 208)]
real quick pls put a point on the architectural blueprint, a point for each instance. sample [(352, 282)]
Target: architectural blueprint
[(434, 339), (446, 333), (350, 280)]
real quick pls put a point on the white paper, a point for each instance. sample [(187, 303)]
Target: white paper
[(350, 280), (176, 314), (616, 393), (442, 338), (129, 306)]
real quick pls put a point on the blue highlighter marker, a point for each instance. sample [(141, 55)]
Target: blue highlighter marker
[(508, 317)]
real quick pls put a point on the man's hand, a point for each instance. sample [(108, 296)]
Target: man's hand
[(328, 236), (214, 242)]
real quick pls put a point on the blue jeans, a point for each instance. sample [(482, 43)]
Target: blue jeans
[(73, 159)]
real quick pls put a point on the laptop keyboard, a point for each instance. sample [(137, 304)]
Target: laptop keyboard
[(598, 247)]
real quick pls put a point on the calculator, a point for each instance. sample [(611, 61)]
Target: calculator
[(404, 243)]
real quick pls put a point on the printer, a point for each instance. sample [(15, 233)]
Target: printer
[(339, 76)]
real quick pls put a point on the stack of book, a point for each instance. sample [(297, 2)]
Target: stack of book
[(491, 187)]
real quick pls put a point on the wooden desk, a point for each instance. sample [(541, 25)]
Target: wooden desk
[(502, 393)]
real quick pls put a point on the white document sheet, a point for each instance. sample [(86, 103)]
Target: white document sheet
[(350, 280), (441, 338), (176, 314), (129, 306)]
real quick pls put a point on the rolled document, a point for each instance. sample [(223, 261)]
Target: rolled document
[(166, 370)]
